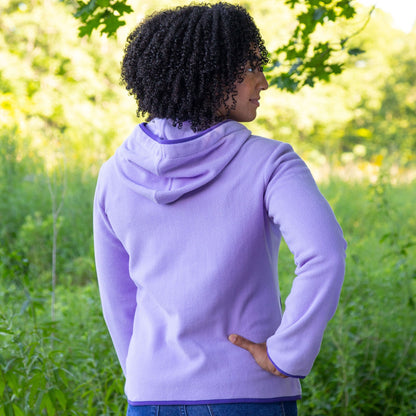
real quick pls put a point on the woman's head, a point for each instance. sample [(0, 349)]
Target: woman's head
[(185, 63)]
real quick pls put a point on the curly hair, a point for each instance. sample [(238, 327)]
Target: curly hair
[(183, 63)]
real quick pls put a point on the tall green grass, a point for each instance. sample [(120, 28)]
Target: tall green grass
[(67, 366), (367, 364)]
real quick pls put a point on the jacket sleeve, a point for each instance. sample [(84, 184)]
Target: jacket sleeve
[(117, 290), (308, 225)]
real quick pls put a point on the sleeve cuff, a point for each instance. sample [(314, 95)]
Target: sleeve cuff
[(283, 372)]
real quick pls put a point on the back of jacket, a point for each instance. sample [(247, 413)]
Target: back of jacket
[(187, 233)]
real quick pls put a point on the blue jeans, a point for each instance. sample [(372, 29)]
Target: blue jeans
[(231, 409)]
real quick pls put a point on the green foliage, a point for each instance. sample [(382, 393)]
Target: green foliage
[(62, 113), (60, 88), (16, 179), (106, 14), (304, 61), (390, 122), (63, 101), (35, 241), (369, 345), (299, 62), (65, 367), (69, 366)]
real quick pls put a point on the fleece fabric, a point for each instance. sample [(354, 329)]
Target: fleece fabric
[(187, 229)]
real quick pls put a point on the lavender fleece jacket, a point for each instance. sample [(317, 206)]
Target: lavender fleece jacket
[(187, 234)]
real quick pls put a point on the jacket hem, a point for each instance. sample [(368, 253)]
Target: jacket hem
[(214, 401)]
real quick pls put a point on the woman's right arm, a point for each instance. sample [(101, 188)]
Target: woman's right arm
[(117, 290)]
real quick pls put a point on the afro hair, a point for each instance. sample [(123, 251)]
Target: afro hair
[(183, 63)]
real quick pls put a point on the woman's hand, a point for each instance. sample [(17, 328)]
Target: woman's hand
[(259, 353)]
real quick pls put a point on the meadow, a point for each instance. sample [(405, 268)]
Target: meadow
[(63, 111), (56, 356)]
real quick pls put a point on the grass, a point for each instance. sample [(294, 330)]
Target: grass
[(67, 366)]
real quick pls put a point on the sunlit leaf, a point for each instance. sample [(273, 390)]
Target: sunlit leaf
[(111, 24), (85, 8)]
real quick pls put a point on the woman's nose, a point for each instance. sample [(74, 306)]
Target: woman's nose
[(262, 81)]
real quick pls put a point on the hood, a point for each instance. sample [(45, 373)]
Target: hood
[(164, 163)]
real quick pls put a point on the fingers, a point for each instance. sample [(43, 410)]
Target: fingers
[(259, 353), (242, 342)]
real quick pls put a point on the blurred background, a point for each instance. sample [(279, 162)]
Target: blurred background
[(63, 112)]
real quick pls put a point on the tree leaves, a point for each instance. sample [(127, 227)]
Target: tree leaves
[(299, 62), (106, 15)]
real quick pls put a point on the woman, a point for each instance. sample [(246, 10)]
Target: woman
[(188, 218)]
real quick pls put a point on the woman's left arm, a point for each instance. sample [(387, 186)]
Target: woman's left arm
[(312, 233)]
